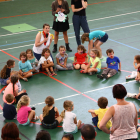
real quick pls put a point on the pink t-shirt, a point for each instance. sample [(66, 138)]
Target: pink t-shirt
[(22, 115), (9, 90)]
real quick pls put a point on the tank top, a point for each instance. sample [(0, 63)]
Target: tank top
[(123, 122), (50, 118), (40, 48)]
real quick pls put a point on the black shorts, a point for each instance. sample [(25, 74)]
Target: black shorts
[(50, 126), (104, 38)]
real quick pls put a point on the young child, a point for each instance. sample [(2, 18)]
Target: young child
[(9, 110), (99, 114), (25, 68), (46, 62), (81, 58), (95, 61), (112, 65), (24, 113), (5, 72), (61, 59), (137, 60), (67, 137), (70, 123), (50, 117)]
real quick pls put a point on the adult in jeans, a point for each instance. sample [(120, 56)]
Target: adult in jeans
[(123, 115), (79, 18)]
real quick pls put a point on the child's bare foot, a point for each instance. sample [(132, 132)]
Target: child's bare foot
[(25, 79), (49, 74), (54, 74)]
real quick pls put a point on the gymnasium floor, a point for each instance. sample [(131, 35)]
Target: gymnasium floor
[(20, 20)]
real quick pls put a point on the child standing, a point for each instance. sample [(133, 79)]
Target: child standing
[(24, 113), (99, 114), (81, 58), (5, 72), (50, 117), (112, 65), (95, 61), (61, 59), (70, 123), (137, 60), (9, 110)]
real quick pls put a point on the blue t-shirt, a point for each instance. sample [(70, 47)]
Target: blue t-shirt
[(113, 63), (96, 34), (9, 111), (25, 67)]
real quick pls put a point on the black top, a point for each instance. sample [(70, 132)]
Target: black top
[(8, 71), (50, 118), (78, 4), (9, 111)]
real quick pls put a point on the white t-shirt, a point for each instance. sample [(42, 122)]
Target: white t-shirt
[(68, 122), (42, 59)]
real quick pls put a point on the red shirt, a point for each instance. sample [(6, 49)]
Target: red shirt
[(81, 57)]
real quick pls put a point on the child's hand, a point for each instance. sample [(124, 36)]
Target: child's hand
[(134, 61), (62, 10), (119, 69), (45, 39), (58, 9), (23, 91)]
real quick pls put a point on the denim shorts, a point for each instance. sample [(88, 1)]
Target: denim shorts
[(73, 132), (98, 70), (27, 123), (104, 38), (4, 81)]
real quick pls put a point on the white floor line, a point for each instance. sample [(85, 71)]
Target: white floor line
[(72, 23)]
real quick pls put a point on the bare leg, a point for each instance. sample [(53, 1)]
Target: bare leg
[(79, 123), (51, 68), (77, 66), (83, 66), (59, 119), (41, 117), (31, 115), (97, 46), (138, 129), (56, 37), (65, 37), (92, 69)]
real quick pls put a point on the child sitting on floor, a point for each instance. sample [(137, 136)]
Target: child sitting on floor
[(9, 110), (61, 59), (68, 137), (50, 118), (81, 58), (112, 65), (99, 114)]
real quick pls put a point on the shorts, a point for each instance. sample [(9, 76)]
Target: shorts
[(80, 63), (50, 126), (4, 81), (104, 38), (98, 70), (95, 121), (27, 123), (73, 132)]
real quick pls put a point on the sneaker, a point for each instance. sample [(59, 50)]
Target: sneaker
[(91, 73), (105, 76), (131, 95), (100, 76)]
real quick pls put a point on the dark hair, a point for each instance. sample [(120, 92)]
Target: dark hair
[(43, 135), (119, 91), (102, 102), (23, 54), (45, 25), (68, 136), (62, 47), (9, 98), (10, 132), (109, 51), (137, 57), (45, 50), (29, 50), (88, 131), (82, 48)]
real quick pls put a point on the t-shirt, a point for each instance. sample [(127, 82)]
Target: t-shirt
[(61, 59), (43, 59), (81, 57), (32, 60), (8, 71), (100, 113), (9, 90), (25, 67), (96, 34), (78, 4), (113, 63), (68, 122), (22, 115), (9, 111), (96, 60)]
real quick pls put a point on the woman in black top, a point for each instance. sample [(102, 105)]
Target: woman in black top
[(79, 18)]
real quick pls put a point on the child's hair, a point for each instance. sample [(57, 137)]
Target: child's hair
[(49, 102), (102, 102), (9, 98), (24, 101), (82, 48), (84, 36), (43, 135), (14, 79), (23, 54), (67, 104), (29, 50), (10, 62), (137, 57), (45, 25), (45, 50), (97, 52), (109, 51), (62, 47), (14, 72), (68, 136)]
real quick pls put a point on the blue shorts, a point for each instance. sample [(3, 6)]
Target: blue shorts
[(95, 121), (27, 123), (98, 70), (4, 81), (73, 132), (104, 38)]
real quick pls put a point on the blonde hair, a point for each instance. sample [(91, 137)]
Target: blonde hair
[(67, 104), (24, 101), (49, 102), (84, 36), (14, 72), (97, 52)]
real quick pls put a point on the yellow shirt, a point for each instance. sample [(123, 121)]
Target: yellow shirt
[(97, 59), (100, 113)]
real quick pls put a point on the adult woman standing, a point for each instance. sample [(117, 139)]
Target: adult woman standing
[(79, 18), (43, 40), (124, 117), (60, 7)]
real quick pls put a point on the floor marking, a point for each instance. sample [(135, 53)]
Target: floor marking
[(126, 71), (2, 89)]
